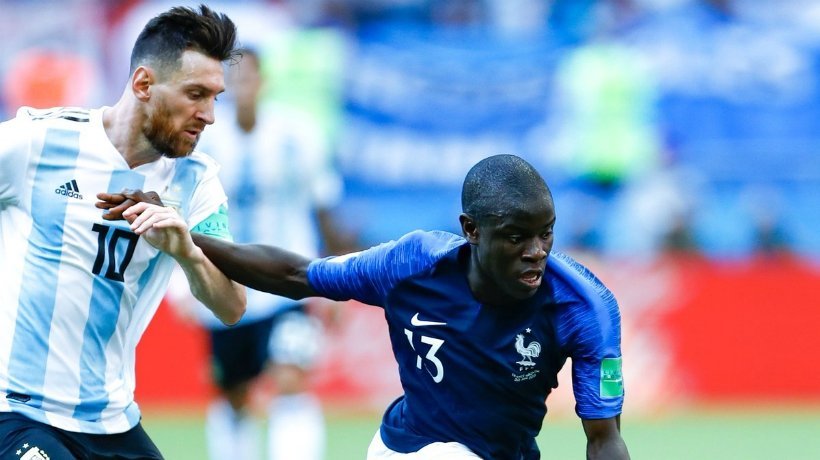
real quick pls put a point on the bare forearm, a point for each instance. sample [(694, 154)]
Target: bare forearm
[(261, 267), (211, 287), (163, 228), (604, 441), (609, 449)]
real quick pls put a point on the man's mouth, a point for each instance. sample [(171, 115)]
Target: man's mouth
[(532, 278)]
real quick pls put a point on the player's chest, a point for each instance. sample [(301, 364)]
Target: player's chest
[(449, 337), (65, 220)]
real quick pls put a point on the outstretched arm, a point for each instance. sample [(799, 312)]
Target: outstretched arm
[(604, 439), (163, 228), (261, 267), (264, 268)]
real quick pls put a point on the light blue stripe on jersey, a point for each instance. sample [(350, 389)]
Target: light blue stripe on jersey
[(103, 312), (186, 176), (245, 195), (38, 293)]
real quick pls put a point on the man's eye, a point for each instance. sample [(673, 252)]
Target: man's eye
[(514, 239), (546, 234), (194, 95)]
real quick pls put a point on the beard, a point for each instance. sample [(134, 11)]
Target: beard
[(159, 131)]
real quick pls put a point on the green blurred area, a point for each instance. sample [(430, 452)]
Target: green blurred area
[(764, 433)]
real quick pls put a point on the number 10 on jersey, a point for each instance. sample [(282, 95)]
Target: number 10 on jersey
[(107, 249)]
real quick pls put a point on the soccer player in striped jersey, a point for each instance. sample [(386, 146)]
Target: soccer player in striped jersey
[(268, 150), (78, 291), (480, 324)]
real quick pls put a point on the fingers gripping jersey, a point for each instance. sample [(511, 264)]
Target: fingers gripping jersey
[(79, 291), (472, 373)]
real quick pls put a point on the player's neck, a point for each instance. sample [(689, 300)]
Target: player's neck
[(122, 125), (481, 286)]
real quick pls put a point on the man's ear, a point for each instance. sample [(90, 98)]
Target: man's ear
[(141, 83), (469, 228)]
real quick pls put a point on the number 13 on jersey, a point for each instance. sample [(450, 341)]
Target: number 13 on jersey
[(434, 344)]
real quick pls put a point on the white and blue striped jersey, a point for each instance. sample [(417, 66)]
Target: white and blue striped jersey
[(477, 374), (276, 176), (78, 291)]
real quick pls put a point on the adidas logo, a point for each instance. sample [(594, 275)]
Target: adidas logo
[(69, 189)]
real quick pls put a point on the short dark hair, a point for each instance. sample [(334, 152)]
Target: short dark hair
[(496, 183), (166, 36)]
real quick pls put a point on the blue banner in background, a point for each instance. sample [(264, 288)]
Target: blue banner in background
[(422, 106), (738, 104)]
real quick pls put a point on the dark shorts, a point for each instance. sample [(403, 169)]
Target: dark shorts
[(22, 438), (239, 354)]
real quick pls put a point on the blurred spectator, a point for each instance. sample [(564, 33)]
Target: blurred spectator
[(277, 175), (765, 206), (605, 105), (49, 60), (736, 77), (307, 62), (653, 213), (46, 78)]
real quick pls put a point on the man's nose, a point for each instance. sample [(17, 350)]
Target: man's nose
[(536, 249), (206, 113)]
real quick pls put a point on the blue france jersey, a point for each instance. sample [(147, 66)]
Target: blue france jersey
[(478, 374), (78, 291)]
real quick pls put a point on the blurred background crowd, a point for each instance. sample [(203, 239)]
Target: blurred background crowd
[(681, 139), (686, 125)]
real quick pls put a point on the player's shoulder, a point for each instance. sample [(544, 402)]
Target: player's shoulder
[(203, 159), (574, 281), (54, 115), (202, 164), (411, 255), (30, 124), (431, 245)]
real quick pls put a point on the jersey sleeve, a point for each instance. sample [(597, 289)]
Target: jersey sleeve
[(369, 276), (208, 213), (597, 379), (14, 153), (590, 329)]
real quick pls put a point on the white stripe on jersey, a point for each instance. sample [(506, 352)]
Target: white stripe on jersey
[(275, 176), (82, 290)]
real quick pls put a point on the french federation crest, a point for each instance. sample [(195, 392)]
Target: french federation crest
[(527, 351), (29, 452)]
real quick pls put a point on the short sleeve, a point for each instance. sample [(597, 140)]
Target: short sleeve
[(369, 276), (363, 276), (216, 225), (208, 211), (14, 158), (597, 376)]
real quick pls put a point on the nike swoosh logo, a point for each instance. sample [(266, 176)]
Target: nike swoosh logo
[(415, 321)]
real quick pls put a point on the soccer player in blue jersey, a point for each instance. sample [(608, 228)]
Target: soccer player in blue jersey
[(480, 324), (78, 290)]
